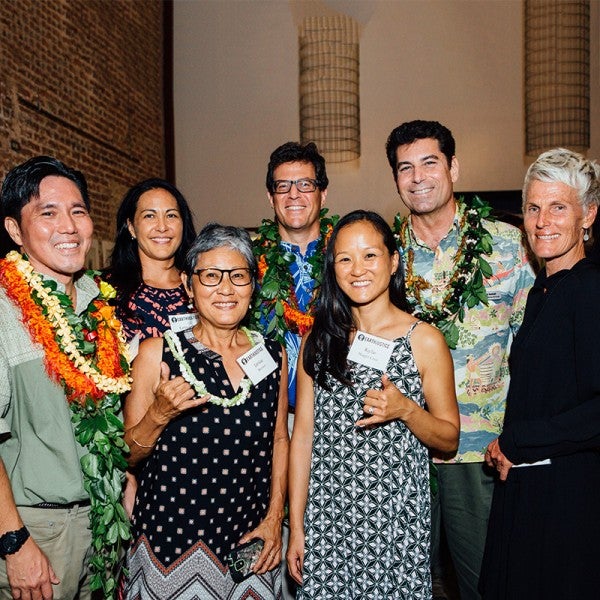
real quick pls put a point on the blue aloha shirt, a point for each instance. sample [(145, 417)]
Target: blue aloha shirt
[(304, 284), (485, 336)]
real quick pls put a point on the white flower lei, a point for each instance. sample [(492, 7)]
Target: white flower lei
[(186, 372), (59, 322)]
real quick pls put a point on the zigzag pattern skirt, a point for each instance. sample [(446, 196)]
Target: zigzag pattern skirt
[(197, 575)]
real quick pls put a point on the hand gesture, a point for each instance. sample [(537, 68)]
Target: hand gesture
[(385, 404), (173, 396)]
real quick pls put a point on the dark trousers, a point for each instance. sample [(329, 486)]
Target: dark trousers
[(463, 499)]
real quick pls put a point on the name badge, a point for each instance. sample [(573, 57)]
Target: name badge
[(257, 363), (183, 321), (371, 351)]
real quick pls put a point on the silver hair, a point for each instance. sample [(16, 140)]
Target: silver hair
[(215, 235), (561, 165)]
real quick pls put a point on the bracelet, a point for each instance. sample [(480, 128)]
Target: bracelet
[(140, 445)]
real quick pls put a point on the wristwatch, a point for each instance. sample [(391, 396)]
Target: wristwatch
[(12, 541)]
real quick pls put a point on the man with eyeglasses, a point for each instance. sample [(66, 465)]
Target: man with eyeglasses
[(290, 252)]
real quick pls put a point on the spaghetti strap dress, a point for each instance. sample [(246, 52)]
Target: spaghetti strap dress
[(367, 520)]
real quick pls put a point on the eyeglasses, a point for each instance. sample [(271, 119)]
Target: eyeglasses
[(213, 277), (282, 186)]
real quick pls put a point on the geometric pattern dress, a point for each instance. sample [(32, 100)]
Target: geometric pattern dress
[(367, 519), (205, 485)]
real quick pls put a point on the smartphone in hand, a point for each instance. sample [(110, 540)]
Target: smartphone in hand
[(242, 558)]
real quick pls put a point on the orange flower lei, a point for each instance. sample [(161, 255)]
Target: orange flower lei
[(102, 368), (276, 308)]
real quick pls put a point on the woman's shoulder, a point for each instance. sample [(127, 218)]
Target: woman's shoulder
[(427, 338), (588, 266), (585, 275), (151, 344), (149, 353)]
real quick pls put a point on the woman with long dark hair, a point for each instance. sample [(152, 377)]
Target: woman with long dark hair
[(375, 391), (154, 231)]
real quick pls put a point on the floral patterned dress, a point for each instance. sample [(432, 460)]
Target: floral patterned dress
[(150, 309)]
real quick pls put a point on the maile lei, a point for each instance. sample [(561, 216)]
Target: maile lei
[(87, 355), (465, 286), (186, 371), (276, 304)]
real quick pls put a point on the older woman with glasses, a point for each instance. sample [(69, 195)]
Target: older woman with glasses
[(544, 528), (206, 424)]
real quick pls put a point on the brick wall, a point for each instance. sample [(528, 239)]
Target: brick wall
[(82, 80)]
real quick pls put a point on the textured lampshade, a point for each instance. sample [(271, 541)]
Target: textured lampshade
[(329, 86), (557, 74)]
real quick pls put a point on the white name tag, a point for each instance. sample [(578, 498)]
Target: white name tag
[(182, 322), (257, 363), (371, 351)]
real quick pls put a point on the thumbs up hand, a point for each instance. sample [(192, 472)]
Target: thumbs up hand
[(385, 404)]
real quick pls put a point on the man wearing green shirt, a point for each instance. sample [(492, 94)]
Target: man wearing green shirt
[(45, 537)]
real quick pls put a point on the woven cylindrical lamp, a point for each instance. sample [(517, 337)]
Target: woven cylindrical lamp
[(557, 74), (329, 86)]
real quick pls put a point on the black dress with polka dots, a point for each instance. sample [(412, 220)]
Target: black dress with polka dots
[(207, 482)]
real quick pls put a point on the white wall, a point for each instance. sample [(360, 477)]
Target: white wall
[(455, 61)]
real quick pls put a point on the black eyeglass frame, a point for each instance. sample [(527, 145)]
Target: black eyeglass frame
[(295, 182), (198, 272)]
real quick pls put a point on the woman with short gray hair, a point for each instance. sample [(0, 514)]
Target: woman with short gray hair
[(544, 528), (206, 422), (571, 168)]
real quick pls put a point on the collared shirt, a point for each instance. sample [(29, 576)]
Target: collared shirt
[(37, 442), (304, 284), (486, 333)]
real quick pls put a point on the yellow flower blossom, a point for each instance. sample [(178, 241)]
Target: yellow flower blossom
[(107, 290)]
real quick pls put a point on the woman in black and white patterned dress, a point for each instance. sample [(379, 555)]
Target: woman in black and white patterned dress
[(210, 438), (359, 478)]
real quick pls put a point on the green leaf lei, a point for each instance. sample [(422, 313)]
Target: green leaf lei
[(99, 429), (275, 308), (466, 284)]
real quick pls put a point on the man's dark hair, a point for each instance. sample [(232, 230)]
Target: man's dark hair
[(296, 152), (22, 184), (411, 131)]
